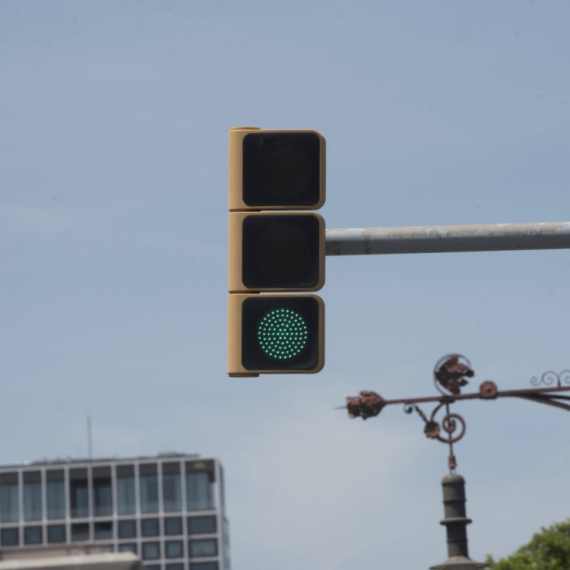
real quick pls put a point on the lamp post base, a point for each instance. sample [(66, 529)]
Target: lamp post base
[(459, 563)]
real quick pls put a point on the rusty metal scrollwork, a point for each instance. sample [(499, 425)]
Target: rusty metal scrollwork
[(450, 375), (449, 423), (551, 378)]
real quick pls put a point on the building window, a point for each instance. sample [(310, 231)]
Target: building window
[(32, 501), (10, 537), (171, 492), (33, 535), (149, 493), (174, 549), (55, 495), (204, 547), (204, 566), (126, 495), (198, 525), (175, 567), (79, 491), (150, 550), (152, 567), (32, 496), (56, 533), (102, 493), (127, 529), (79, 532), (103, 530), (149, 527), (9, 500), (172, 525), (199, 494), (128, 548)]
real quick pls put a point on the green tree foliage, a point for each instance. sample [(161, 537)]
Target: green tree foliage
[(548, 549)]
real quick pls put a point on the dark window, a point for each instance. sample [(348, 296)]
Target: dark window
[(79, 491), (171, 487), (103, 530), (205, 547), (173, 525), (32, 495), (56, 533), (152, 567), (128, 548), (33, 535), (102, 494), (171, 492), (175, 567), (126, 504), (199, 495), (174, 549), (197, 525), (204, 566), (150, 550), (10, 537), (55, 495), (127, 529), (149, 527), (148, 482), (9, 497), (79, 532)]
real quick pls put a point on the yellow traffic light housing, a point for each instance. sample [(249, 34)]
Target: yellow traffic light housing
[(273, 250)]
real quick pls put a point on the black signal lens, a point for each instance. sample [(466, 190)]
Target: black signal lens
[(281, 169), (281, 251)]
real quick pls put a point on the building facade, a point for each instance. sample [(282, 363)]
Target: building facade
[(167, 509)]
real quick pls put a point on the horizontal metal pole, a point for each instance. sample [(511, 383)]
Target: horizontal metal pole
[(441, 239)]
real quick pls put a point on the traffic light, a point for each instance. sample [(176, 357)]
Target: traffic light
[(275, 334), (272, 250)]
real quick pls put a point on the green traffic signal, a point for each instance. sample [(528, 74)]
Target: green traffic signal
[(282, 334), (275, 334)]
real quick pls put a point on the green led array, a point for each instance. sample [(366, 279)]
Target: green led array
[(282, 334)]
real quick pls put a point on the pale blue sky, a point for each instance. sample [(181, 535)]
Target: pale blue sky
[(113, 213)]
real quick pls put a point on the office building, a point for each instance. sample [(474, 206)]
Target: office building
[(167, 509)]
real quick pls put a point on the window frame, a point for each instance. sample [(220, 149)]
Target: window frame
[(192, 555), (215, 519), (146, 544), (176, 542)]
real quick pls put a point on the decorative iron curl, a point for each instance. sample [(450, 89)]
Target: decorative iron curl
[(449, 424), (550, 378), (409, 408), (565, 377)]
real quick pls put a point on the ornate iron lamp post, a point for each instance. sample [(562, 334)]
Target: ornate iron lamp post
[(450, 376)]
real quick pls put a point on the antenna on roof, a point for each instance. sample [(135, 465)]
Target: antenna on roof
[(89, 438)]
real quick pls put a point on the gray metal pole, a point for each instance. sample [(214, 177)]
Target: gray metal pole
[(440, 239)]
